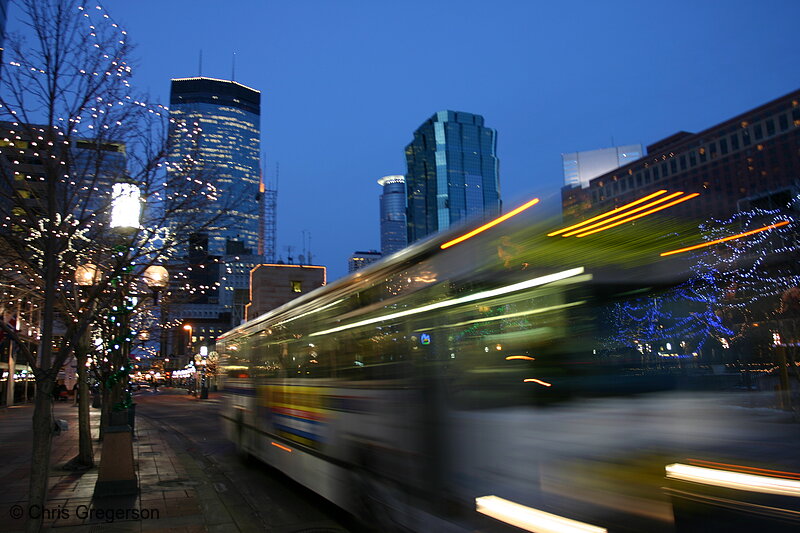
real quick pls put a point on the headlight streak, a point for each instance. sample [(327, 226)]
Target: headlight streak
[(603, 215), (534, 282), (732, 237), (520, 357), (625, 214), (538, 381), (640, 215), (734, 480), (531, 519), (746, 469), (490, 224), (281, 446)]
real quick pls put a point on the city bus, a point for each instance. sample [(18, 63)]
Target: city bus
[(520, 373)]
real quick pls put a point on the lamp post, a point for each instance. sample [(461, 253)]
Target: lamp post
[(117, 475), (189, 347), (157, 278), (203, 377), (85, 276)]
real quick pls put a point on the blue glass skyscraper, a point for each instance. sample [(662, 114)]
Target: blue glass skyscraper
[(3, 18), (393, 214), (227, 153), (453, 173)]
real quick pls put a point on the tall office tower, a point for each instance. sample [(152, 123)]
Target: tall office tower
[(226, 153), (3, 18), (581, 167), (453, 173), (393, 214)]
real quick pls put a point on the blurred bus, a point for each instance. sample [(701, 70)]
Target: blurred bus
[(523, 374)]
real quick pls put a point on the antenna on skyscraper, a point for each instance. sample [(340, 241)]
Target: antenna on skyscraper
[(233, 68), (200, 64)]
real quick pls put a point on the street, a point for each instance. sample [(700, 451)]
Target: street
[(244, 485)]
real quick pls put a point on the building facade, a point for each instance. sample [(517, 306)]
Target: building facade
[(94, 164), (273, 285), (581, 167), (393, 214), (359, 260), (746, 156), (226, 152), (452, 173)]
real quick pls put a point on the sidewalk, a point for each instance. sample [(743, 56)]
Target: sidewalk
[(172, 497)]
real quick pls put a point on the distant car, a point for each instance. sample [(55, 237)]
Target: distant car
[(140, 386)]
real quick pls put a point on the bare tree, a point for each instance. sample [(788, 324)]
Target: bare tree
[(72, 127)]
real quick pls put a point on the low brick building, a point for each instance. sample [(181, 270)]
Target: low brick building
[(273, 285)]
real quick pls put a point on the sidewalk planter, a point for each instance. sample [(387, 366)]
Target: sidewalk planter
[(117, 475)]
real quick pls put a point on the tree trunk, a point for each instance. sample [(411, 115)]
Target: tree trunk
[(85, 449), (105, 410), (42, 441)]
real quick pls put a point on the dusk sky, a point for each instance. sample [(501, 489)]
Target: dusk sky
[(345, 83)]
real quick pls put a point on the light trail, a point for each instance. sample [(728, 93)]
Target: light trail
[(533, 282), (531, 519), (490, 224), (640, 215), (603, 215), (734, 480), (732, 237), (623, 215)]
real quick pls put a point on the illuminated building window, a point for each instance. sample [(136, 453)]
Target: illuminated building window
[(296, 286)]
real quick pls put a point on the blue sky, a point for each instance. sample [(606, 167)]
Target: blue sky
[(345, 83)]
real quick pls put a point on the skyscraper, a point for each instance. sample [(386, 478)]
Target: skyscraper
[(393, 214), (227, 153), (453, 173), (3, 18)]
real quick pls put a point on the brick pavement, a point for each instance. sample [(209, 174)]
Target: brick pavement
[(174, 495)]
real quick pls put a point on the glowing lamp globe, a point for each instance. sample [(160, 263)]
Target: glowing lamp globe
[(126, 206), (156, 276), (87, 275)]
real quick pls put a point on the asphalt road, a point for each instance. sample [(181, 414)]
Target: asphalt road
[(277, 502)]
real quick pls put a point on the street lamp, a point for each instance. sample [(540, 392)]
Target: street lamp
[(188, 328), (157, 278), (117, 475), (203, 377), (85, 276), (126, 206)]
